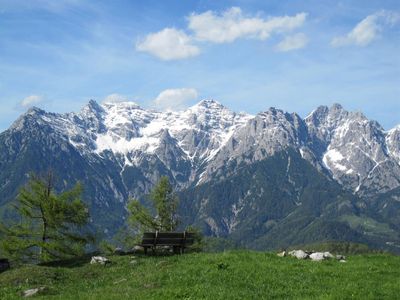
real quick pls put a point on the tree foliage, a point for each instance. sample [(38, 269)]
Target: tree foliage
[(165, 203), (49, 226)]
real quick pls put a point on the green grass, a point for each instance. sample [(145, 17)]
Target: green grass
[(229, 275)]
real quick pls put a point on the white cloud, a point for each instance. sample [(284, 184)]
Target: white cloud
[(210, 26), (367, 30), (174, 98), (231, 25), (292, 42), (168, 44), (30, 101), (113, 98)]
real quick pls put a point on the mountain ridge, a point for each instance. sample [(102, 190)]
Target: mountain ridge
[(123, 149)]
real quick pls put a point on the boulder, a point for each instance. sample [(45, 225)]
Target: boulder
[(342, 261), (328, 255), (135, 249), (99, 260), (282, 254), (299, 254), (340, 257), (33, 292), (119, 251), (4, 264), (317, 256)]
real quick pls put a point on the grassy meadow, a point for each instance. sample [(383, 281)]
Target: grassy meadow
[(226, 275)]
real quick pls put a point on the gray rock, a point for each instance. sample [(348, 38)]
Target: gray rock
[(99, 260), (317, 256), (299, 254), (33, 292), (328, 255), (137, 249), (119, 251), (282, 254), (340, 257)]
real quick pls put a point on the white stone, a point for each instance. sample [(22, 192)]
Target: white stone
[(119, 251), (137, 248), (328, 255), (340, 257), (299, 254), (33, 292), (317, 256), (99, 260), (282, 254)]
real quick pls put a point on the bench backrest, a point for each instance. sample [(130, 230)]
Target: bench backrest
[(4, 264), (168, 238)]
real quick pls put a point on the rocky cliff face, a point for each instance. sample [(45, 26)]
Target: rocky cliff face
[(355, 150), (119, 150)]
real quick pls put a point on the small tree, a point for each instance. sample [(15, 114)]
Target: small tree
[(49, 223), (165, 203)]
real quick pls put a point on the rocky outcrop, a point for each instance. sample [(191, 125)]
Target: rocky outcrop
[(314, 256)]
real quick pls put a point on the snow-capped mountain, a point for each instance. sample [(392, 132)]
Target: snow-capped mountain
[(194, 143), (355, 150), (181, 143), (119, 150), (133, 135)]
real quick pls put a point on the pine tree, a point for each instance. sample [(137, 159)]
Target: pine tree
[(49, 225), (165, 203)]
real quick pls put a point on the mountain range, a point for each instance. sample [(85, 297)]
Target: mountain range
[(266, 181)]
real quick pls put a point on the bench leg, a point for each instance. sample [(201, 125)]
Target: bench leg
[(145, 250)]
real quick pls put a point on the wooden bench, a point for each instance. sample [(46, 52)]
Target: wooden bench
[(4, 264), (178, 240)]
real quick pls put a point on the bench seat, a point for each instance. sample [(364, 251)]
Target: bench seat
[(177, 240)]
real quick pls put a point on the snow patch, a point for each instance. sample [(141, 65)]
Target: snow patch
[(332, 159), (107, 142)]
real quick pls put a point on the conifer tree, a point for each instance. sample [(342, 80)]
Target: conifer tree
[(165, 203), (49, 226)]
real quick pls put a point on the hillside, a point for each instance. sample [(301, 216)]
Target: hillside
[(228, 275)]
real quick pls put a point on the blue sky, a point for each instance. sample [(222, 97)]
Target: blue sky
[(249, 55)]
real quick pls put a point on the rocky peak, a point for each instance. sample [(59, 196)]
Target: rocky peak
[(212, 116), (273, 115), (31, 116), (92, 108), (336, 107), (326, 117), (209, 107), (35, 111), (210, 104), (352, 148), (122, 105)]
